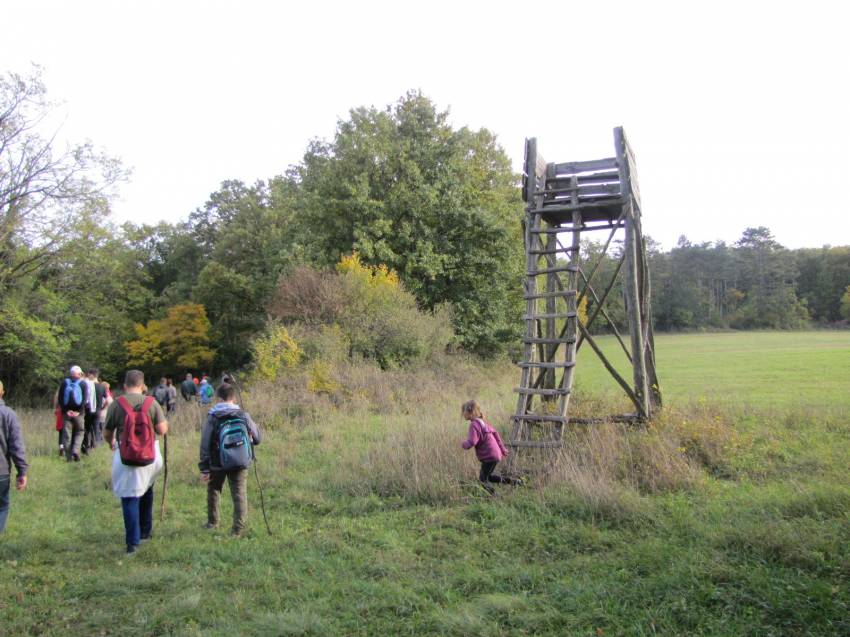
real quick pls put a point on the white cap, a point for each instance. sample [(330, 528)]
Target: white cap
[(76, 369)]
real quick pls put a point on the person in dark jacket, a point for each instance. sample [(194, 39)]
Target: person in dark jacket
[(12, 451), (210, 464), (189, 388)]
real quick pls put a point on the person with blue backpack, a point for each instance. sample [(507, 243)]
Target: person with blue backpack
[(72, 398), (227, 450)]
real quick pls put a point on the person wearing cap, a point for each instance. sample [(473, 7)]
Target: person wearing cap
[(72, 398), (12, 451)]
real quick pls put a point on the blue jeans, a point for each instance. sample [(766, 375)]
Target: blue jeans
[(5, 483), (138, 517)]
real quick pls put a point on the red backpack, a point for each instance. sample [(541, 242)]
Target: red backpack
[(136, 446)]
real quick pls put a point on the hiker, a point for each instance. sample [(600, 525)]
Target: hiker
[(206, 392), (161, 394), (107, 400), (71, 398), (134, 484), (189, 388), (489, 448), (12, 451), (172, 395), (93, 421), (226, 452)]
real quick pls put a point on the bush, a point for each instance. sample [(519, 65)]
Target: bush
[(365, 307)]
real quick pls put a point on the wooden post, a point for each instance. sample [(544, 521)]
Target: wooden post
[(632, 276)]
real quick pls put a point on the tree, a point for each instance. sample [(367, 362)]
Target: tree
[(441, 207), (845, 304), (54, 211), (766, 271), (178, 342)]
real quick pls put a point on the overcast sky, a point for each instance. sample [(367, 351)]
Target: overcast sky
[(737, 111)]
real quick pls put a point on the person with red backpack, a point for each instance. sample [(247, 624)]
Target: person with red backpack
[(132, 421), (72, 398)]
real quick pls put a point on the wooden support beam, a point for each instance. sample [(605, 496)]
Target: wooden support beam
[(554, 444)]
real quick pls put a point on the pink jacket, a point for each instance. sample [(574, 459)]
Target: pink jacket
[(486, 440)]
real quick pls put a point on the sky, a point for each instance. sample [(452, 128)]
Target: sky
[(730, 107)]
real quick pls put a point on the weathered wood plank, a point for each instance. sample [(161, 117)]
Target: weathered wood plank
[(541, 392), (553, 315), (540, 418), (572, 167), (531, 443), (545, 365), (555, 251), (546, 295), (559, 268), (547, 341), (593, 189)]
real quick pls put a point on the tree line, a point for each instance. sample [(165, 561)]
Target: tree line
[(399, 237)]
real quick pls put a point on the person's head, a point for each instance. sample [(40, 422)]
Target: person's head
[(226, 393), (1, 389), (93, 372), (162, 381), (188, 376), (75, 371), (471, 408), (203, 381), (105, 384), (134, 379), (169, 382)]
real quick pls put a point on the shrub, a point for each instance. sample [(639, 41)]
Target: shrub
[(365, 306)]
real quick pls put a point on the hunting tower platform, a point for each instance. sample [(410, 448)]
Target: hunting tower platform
[(563, 200)]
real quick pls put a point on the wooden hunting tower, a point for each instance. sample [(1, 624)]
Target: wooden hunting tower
[(563, 200)]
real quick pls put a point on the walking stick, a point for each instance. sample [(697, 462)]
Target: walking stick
[(256, 462), (165, 479)]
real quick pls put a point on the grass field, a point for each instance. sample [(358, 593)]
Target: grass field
[(720, 519), (781, 369)]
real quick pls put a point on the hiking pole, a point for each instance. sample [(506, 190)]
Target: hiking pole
[(256, 461), (165, 479)]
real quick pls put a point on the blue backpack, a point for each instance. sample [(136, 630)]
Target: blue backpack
[(72, 398), (231, 442)]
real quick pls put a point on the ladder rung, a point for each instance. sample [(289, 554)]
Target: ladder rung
[(560, 268), (532, 443), (531, 317), (556, 251), (541, 392), (541, 418), (546, 365), (547, 341), (548, 230), (549, 295)]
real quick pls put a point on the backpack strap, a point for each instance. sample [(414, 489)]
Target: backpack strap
[(125, 404), (147, 404)]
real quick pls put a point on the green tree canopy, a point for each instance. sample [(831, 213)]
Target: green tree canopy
[(439, 206)]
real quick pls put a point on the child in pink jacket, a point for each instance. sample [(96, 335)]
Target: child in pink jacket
[(489, 448)]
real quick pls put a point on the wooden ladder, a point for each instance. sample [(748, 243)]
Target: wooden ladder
[(550, 294)]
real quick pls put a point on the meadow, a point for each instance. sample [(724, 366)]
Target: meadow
[(725, 516)]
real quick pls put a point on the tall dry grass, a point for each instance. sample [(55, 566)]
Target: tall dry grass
[(398, 433)]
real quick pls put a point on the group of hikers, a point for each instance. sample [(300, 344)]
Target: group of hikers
[(129, 424), (134, 419)]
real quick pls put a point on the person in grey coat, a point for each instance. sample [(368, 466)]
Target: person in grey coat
[(12, 451)]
